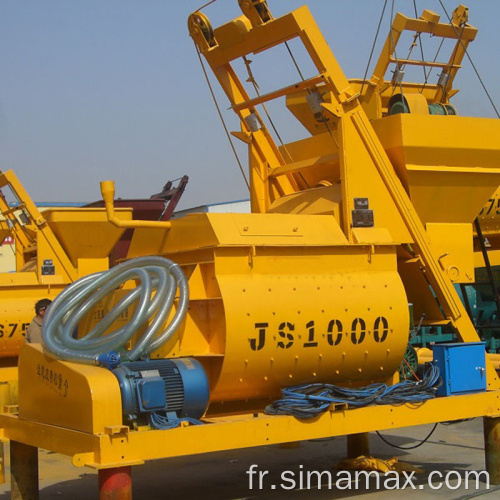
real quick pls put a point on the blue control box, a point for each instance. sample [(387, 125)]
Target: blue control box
[(462, 367)]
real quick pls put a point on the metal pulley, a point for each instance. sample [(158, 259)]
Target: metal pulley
[(200, 29), (256, 11)]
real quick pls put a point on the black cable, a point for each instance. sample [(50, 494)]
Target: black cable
[(294, 61), (453, 422), (408, 447), (311, 400), (205, 5), (222, 118), (373, 47)]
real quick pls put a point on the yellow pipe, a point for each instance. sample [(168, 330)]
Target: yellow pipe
[(425, 355), (108, 195)]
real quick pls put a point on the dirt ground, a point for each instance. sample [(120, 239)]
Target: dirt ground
[(223, 475)]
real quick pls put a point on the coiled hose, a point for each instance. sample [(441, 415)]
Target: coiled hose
[(159, 278)]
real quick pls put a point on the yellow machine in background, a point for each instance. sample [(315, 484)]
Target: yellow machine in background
[(489, 218), (312, 287), (51, 251)]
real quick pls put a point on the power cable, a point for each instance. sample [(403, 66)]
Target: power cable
[(408, 447), (459, 421), (159, 421), (311, 400), (425, 439)]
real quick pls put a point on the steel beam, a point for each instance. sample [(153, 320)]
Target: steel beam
[(358, 445), (23, 471), (491, 426)]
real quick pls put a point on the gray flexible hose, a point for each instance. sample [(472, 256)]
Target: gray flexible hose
[(159, 278)]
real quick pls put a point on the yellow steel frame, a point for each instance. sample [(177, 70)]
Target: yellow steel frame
[(378, 91), (34, 235), (428, 23), (25, 234), (54, 235), (117, 446), (360, 150), (274, 174)]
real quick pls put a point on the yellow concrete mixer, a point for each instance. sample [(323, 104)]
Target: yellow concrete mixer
[(348, 227), (52, 250)]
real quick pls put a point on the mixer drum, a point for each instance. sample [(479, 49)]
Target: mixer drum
[(278, 300), (284, 330), (294, 319)]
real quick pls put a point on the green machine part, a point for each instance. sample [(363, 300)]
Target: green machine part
[(406, 104)]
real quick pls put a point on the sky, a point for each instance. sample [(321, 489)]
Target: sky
[(113, 89)]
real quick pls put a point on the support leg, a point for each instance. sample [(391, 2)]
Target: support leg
[(491, 426), (2, 462), (290, 445), (23, 471), (358, 445), (115, 484)]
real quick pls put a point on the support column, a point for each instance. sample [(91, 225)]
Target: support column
[(115, 484), (23, 471), (491, 426), (358, 445), (2, 462), (290, 445)]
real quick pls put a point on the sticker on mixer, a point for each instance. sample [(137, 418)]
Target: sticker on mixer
[(490, 207), (287, 334), (53, 379), (10, 329), (150, 373)]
